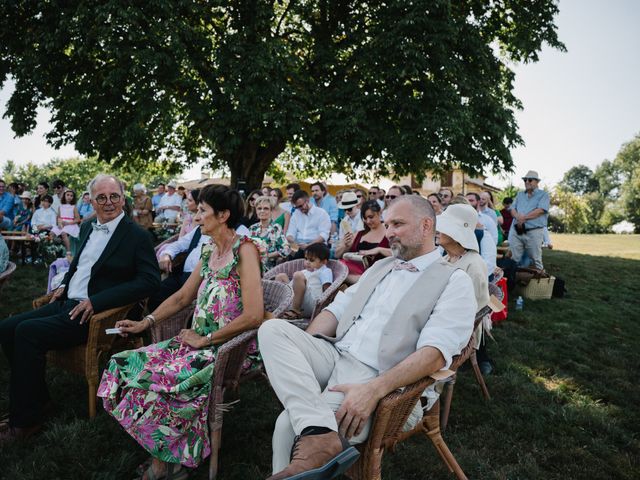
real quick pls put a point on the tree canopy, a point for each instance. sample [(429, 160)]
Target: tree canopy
[(580, 179), (380, 86)]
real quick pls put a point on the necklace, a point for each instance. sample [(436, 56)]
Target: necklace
[(219, 258), (221, 252)]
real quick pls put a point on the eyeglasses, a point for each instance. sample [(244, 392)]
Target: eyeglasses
[(252, 199), (529, 179), (298, 207), (113, 198), (390, 197), (359, 196)]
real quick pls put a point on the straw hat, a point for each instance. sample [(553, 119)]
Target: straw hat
[(532, 174), (459, 221), (26, 194), (349, 199)]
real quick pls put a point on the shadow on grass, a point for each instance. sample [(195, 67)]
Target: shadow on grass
[(564, 401)]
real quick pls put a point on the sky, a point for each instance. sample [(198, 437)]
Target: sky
[(580, 106)]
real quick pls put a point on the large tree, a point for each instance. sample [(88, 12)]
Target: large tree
[(385, 86), (580, 179)]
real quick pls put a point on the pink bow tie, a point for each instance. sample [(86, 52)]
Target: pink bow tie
[(400, 265)]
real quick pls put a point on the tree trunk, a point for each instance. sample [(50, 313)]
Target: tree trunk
[(250, 163)]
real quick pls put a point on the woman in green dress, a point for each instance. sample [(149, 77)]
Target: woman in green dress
[(160, 393)]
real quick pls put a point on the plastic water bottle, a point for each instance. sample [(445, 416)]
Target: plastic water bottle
[(519, 303), (333, 243)]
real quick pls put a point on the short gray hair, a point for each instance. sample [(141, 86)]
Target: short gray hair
[(101, 177), (421, 206), (266, 200)]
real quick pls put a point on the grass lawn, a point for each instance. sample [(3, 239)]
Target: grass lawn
[(609, 245), (565, 393)]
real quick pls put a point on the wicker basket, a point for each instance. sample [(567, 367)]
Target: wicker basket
[(537, 288)]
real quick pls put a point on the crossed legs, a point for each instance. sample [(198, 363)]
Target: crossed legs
[(301, 368)]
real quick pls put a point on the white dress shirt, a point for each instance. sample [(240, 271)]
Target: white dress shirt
[(182, 245), (490, 223), (448, 328), (305, 228), (167, 200), (97, 242), (44, 217), (488, 252), (56, 203)]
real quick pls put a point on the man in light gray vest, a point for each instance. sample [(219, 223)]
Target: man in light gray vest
[(406, 318)]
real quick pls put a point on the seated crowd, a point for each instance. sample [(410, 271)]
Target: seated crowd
[(418, 271)]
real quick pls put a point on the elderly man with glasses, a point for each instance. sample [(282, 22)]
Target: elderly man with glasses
[(530, 211), (114, 266)]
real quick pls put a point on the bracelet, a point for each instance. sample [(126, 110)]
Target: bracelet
[(210, 338), (152, 320)]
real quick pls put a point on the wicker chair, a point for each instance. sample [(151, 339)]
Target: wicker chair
[(339, 270), (391, 415), (468, 354), (6, 275), (166, 242), (229, 360), (85, 359)]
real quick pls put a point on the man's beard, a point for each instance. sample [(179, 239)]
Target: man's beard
[(408, 250)]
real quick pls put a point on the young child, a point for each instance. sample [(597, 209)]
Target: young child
[(86, 209), (44, 218), (68, 219), (24, 211), (308, 284)]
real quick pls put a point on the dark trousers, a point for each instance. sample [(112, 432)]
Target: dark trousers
[(25, 340), (168, 287)]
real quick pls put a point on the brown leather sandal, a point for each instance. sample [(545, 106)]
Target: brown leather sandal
[(292, 314)]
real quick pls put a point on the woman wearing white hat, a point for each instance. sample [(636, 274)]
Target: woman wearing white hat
[(456, 228)]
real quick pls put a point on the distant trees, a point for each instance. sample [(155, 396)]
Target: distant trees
[(77, 172), (593, 201)]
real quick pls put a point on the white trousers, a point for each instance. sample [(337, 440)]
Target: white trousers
[(301, 368)]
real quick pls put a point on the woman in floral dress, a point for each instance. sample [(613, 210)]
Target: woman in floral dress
[(160, 393), (271, 232)]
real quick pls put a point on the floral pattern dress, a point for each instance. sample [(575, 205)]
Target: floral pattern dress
[(160, 393), (275, 240)]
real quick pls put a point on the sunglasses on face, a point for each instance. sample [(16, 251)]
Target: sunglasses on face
[(359, 196), (529, 179), (102, 199), (390, 197)]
